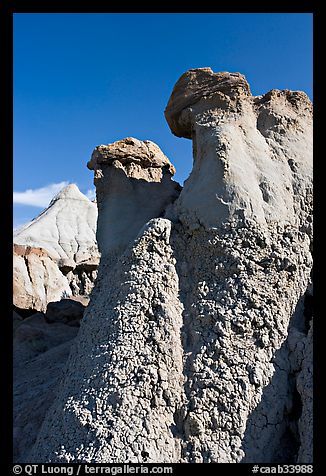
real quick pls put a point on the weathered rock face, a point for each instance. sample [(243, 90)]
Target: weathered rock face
[(37, 279), (252, 154), (195, 345), (56, 254), (221, 89), (66, 229), (133, 184), (246, 211), (142, 358)]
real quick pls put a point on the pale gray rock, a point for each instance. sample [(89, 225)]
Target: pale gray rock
[(120, 396), (66, 229), (189, 350), (238, 300), (133, 184), (246, 212), (252, 155), (56, 254)]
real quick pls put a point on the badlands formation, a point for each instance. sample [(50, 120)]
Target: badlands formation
[(56, 254), (197, 342)]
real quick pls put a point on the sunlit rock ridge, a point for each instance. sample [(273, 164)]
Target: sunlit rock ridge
[(56, 254)]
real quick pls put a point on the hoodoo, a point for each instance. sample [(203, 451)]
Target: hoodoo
[(56, 254), (133, 184), (196, 345)]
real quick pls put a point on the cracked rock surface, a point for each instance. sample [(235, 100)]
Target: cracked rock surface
[(56, 254), (196, 345)]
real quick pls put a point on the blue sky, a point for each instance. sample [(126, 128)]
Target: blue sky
[(81, 80)]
